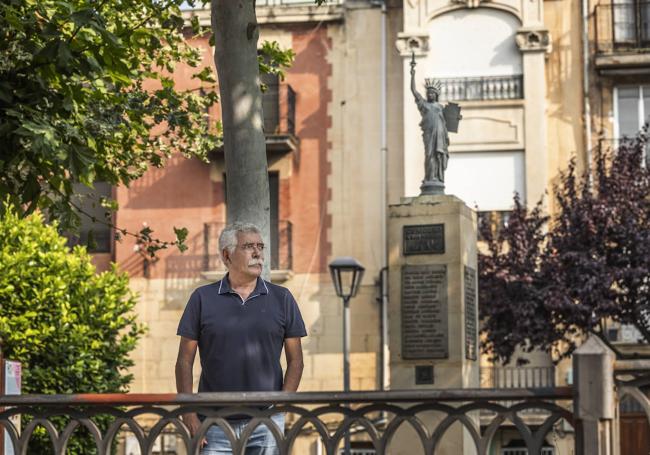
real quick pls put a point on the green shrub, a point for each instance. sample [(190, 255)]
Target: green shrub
[(71, 328)]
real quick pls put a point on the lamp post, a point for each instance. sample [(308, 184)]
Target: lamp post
[(346, 274)]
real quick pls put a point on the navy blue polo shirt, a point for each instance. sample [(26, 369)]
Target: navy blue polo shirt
[(240, 342)]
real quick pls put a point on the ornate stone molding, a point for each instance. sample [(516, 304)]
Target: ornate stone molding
[(408, 42), (469, 3), (533, 40)]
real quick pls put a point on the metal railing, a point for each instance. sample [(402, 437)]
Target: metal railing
[(518, 377), (623, 27), (328, 415), (482, 88), (281, 251)]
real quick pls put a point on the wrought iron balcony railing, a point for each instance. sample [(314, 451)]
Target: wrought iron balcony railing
[(482, 88), (518, 377), (281, 252), (279, 105), (373, 416), (622, 27)]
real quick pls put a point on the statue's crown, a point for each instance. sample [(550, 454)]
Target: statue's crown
[(431, 83)]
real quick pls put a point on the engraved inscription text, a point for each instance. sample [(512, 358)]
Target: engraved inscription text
[(424, 312)]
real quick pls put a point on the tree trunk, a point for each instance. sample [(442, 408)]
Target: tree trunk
[(236, 32)]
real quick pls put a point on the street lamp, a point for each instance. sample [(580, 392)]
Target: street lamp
[(346, 275)]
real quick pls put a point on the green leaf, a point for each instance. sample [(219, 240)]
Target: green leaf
[(196, 28), (83, 17)]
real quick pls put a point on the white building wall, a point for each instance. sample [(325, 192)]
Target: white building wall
[(486, 180), (472, 43)]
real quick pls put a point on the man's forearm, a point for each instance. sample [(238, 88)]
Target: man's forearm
[(183, 377), (292, 376)]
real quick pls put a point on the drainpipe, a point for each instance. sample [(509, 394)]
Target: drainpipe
[(382, 284), (383, 367), (585, 82)]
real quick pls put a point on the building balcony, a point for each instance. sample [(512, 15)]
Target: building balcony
[(622, 38), (517, 377), (486, 88), (279, 106), (280, 255)]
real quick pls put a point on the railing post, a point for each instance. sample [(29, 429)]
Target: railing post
[(594, 404)]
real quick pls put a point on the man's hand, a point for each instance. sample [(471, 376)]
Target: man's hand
[(193, 424), (184, 362)]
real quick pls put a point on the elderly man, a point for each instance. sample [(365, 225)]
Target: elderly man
[(240, 325)]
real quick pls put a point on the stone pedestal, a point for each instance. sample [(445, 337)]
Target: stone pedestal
[(433, 310)]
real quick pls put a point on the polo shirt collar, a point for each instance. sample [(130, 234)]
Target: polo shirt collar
[(260, 287)]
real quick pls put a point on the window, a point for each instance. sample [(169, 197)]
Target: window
[(631, 111), (631, 23), (96, 235), (279, 106)]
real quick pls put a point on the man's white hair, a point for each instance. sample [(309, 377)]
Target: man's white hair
[(228, 237)]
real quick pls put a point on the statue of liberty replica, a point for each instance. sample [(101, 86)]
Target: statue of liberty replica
[(437, 122)]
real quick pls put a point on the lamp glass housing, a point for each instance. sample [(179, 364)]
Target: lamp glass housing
[(347, 274)]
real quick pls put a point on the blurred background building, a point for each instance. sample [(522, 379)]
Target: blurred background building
[(539, 82)]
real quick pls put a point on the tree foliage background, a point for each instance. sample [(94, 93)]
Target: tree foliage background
[(86, 94), (71, 328), (546, 282)]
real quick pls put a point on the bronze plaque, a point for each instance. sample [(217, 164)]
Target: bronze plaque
[(471, 335), (424, 239), (423, 374), (424, 312)]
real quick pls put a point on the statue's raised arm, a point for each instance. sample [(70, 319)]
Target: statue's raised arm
[(418, 97)]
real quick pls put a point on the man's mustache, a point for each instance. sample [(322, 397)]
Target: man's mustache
[(256, 262)]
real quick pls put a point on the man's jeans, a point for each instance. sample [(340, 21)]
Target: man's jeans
[(261, 441)]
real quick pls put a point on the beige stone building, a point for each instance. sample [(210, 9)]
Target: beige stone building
[(343, 143)]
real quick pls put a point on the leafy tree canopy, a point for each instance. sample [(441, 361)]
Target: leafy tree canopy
[(545, 283), (86, 94), (71, 328)]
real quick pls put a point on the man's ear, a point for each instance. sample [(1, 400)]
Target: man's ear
[(226, 256)]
